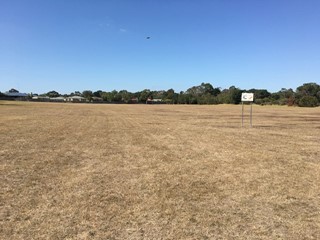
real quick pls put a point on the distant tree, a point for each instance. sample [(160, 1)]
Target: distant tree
[(275, 96), (196, 90), (283, 97), (183, 98), (159, 94), (144, 95), (207, 99), (204, 88), (201, 94), (125, 95), (116, 96), (170, 96), (231, 95), (260, 93), (97, 93), (308, 89), (216, 91), (169, 93), (175, 98), (107, 96), (286, 93), (12, 90), (207, 88), (235, 95), (87, 94), (193, 100), (308, 101), (318, 96), (52, 94)]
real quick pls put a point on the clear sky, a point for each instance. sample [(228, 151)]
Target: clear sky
[(76, 45)]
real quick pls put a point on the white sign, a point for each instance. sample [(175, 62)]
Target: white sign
[(247, 97)]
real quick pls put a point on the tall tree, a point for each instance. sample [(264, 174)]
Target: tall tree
[(53, 94), (231, 95), (12, 90), (87, 94), (308, 95), (144, 95), (308, 89), (97, 93)]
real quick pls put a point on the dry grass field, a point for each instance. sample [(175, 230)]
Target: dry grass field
[(83, 171)]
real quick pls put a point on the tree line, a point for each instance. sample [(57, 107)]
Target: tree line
[(306, 95)]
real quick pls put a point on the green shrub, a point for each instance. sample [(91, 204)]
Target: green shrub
[(308, 101)]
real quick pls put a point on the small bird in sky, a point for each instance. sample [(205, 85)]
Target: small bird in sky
[(148, 37)]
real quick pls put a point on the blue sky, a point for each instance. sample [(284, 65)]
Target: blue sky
[(75, 45)]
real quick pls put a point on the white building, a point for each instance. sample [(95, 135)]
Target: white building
[(57, 99), (76, 99)]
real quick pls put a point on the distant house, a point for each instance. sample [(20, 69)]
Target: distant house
[(57, 99), (154, 101), (41, 98), (15, 95), (96, 99), (76, 99), (133, 100)]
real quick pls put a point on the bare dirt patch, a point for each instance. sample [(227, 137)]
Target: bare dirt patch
[(79, 171)]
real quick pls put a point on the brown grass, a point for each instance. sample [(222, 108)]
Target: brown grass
[(80, 171)]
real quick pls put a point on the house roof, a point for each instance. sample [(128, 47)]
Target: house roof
[(57, 98), (40, 97), (77, 97), (15, 94)]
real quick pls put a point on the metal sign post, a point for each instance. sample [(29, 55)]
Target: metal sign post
[(250, 114), (246, 97), (242, 115)]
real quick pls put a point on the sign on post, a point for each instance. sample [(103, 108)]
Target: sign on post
[(247, 97)]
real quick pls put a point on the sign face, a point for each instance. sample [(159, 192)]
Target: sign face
[(247, 97)]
